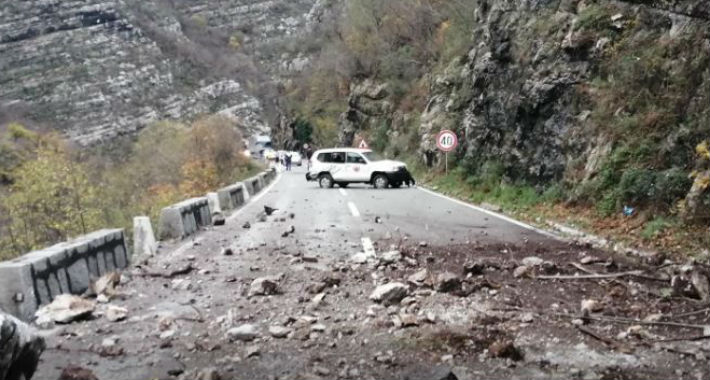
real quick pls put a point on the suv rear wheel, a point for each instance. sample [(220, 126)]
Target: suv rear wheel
[(325, 181), (380, 181)]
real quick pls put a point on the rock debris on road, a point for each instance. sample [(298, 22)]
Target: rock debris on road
[(433, 298)]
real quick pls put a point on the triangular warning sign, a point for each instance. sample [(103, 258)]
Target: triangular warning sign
[(363, 144)]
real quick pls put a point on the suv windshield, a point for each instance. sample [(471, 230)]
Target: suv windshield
[(372, 156)]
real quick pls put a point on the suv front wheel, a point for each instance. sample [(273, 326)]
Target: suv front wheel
[(380, 181), (325, 181)]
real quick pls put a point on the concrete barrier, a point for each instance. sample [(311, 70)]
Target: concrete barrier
[(184, 219), (144, 243), (34, 279), (231, 197), (252, 185)]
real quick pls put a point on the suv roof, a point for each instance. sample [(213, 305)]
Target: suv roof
[(352, 150)]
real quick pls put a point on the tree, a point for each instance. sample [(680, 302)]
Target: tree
[(50, 200)]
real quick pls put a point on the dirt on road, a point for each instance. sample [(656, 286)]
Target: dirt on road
[(231, 309)]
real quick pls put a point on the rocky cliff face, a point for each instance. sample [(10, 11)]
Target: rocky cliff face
[(531, 93), (607, 97), (96, 69)]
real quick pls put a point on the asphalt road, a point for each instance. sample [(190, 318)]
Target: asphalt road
[(178, 326), (402, 214)]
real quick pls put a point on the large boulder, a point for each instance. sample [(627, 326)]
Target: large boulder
[(20, 349)]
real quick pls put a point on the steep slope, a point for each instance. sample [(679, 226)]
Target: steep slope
[(96, 69)]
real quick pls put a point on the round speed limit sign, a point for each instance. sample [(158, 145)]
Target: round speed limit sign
[(446, 140)]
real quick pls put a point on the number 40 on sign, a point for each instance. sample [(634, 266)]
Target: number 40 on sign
[(446, 141)]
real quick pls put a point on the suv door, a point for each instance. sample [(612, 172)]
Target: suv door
[(336, 166), (356, 167)]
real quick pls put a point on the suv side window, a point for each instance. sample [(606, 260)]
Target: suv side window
[(337, 157), (355, 158), (332, 157)]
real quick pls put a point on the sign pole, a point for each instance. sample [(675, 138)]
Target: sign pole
[(446, 158)]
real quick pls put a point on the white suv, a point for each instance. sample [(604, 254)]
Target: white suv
[(343, 166)]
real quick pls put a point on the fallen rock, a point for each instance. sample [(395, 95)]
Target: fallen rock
[(309, 259), (279, 332), (474, 269), (390, 257), (20, 348), (253, 351), (64, 309), (532, 261), (701, 284), (361, 258), (389, 294), (218, 219), (246, 225), (210, 373), (590, 306), (447, 282), (419, 277), (263, 286), (106, 284), (76, 373), (244, 333), (504, 349), (521, 271), (115, 313), (227, 251)]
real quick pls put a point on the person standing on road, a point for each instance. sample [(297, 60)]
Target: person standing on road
[(287, 158)]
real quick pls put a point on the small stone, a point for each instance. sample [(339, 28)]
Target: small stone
[(227, 252), (521, 271), (218, 219), (246, 225), (419, 276), (263, 286), (423, 244), (389, 294), (115, 313), (76, 373), (102, 298), (318, 327), (167, 334), (532, 261), (504, 349), (391, 257), (244, 333), (447, 282), (590, 306), (208, 374), (321, 371), (309, 259), (279, 332), (253, 351), (653, 317), (527, 317)]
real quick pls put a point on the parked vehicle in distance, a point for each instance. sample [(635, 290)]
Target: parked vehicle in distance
[(258, 145), (343, 166), (296, 158)]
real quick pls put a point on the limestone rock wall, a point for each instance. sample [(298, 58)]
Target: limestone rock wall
[(97, 69)]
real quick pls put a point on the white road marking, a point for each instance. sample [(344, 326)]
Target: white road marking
[(367, 246), (491, 213), (353, 209), (343, 192)]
